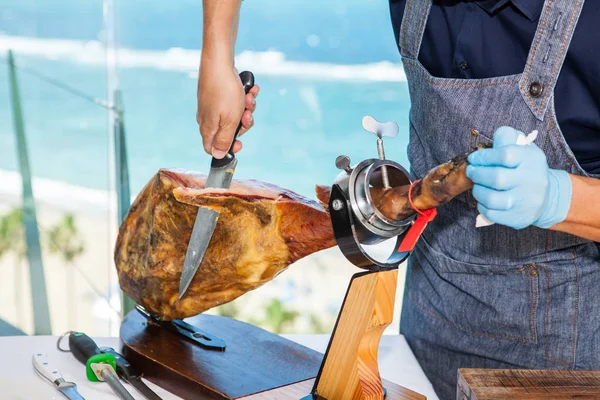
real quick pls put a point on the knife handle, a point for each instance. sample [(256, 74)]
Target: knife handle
[(124, 368), (42, 365), (82, 346), (247, 79)]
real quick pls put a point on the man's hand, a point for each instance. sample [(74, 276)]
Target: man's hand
[(514, 185), (221, 101), (221, 105)]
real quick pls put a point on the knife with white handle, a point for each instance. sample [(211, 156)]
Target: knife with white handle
[(45, 369)]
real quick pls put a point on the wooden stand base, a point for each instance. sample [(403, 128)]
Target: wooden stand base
[(254, 361), (259, 365), (488, 384), (299, 390)]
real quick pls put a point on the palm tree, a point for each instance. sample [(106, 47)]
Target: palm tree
[(12, 240), (277, 317), (63, 239)]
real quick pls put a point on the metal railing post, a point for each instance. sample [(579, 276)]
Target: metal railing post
[(41, 314), (121, 178)]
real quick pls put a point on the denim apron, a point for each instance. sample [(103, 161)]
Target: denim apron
[(495, 297)]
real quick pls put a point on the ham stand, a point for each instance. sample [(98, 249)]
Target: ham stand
[(213, 357)]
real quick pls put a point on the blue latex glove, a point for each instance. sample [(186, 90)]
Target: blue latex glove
[(514, 185)]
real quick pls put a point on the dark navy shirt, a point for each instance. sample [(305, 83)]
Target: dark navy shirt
[(488, 38)]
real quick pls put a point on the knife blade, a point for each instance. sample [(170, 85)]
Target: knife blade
[(126, 372), (49, 372), (220, 176)]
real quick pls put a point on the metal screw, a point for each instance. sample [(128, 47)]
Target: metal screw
[(343, 162), (337, 204), (384, 174), (380, 151), (199, 336)]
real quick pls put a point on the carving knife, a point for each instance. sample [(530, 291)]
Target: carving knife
[(220, 176), (44, 368), (128, 374)]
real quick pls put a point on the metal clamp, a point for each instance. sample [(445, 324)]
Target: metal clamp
[(348, 234), (204, 339), (355, 218)]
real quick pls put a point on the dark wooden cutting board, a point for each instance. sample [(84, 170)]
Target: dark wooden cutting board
[(254, 361)]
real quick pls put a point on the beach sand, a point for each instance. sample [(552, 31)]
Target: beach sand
[(79, 294)]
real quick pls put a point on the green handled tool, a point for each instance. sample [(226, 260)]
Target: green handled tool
[(127, 373), (99, 366)]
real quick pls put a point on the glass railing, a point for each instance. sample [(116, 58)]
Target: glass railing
[(65, 132), (321, 67)]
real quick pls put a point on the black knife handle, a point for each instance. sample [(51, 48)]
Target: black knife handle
[(124, 368), (247, 79), (82, 346)]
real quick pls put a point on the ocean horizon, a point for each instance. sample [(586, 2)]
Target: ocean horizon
[(315, 89), (321, 65)]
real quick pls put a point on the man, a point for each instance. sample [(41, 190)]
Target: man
[(523, 292)]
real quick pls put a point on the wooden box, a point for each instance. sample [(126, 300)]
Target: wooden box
[(496, 384)]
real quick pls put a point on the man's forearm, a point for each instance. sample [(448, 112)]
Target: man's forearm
[(583, 218), (221, 18)]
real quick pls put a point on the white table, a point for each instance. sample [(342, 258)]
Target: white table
[(19, 381)]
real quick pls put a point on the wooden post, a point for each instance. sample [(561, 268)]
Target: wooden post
[(350, 368)]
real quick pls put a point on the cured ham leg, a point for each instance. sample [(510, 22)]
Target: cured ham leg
[(261, 230)]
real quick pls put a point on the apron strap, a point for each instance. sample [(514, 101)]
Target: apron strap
[(547, 54), (413, 27)]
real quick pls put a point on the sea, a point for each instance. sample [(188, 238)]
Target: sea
[(322, 65)]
